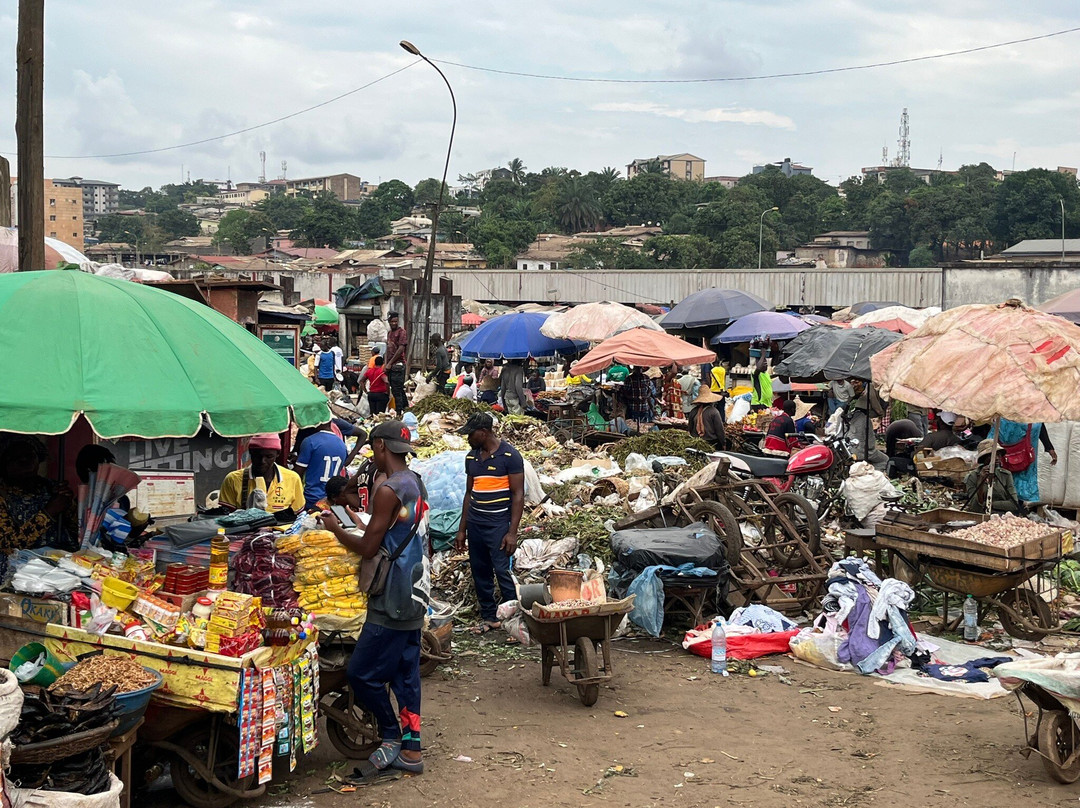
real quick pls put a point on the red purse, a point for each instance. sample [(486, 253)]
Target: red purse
[(1020, 455)]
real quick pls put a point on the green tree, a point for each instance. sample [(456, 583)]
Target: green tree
[(371, 219), (177, 223), (395, 197), (682, 252), (648, 197), (134, 199), (890, 222), (517, 170), (328, 222), (452, 226), (577, 207), (283, 210), (426, 193), (499, 240), (1027, 206), (117, 229), (608, 253), (238, 228), (922, 256)]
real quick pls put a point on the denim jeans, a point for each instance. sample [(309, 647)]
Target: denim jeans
[(489, 564), (386, 656), (396, 377)]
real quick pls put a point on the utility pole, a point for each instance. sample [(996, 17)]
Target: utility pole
[(5, 192), (30, 62)]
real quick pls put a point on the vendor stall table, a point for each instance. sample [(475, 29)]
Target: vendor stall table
[(120, 747)]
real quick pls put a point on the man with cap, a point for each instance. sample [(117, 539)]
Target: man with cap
[(282, 487), (1005, 497), (491, 513), (397, 346), (387, 654), (944, 435), (706, 421)]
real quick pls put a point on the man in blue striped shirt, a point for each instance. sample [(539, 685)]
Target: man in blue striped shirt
[(490, 514)]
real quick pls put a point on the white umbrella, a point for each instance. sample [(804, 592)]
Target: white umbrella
[(596, 322)]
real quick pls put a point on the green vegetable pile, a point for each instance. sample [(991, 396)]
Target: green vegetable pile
[(1069, 570), (673, 442), (441, 403)]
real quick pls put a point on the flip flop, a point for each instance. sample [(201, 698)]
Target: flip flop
[(382, 757), (367, 774), (484, 628)]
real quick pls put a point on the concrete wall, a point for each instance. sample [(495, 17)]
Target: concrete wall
[(1033, 285)]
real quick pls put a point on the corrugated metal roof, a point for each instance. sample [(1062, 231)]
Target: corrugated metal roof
[(1042, 246), (790, 287)]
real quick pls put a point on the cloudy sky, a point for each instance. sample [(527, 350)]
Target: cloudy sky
[(132, 75)]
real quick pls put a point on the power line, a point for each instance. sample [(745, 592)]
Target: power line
[(230, 134), (795, 74)]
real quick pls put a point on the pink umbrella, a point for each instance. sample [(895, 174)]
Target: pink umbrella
[(595, 322), (472, 319), (644, 348)]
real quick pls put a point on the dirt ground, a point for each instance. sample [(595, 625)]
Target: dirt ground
[(691, 738)]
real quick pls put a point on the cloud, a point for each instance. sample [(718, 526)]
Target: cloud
[(752, 117)]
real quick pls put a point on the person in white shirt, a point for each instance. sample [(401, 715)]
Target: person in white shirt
[(339, 361), (466, 391)]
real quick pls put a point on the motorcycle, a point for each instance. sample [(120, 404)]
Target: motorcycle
[(813, 472)]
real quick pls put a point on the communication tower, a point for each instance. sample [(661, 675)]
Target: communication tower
[(262, 169), (903, 144)]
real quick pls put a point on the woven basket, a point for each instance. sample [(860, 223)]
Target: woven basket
[(60, 748)]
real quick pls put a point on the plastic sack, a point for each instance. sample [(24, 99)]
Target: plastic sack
[(593, 589), (740, 408), (363, 407), (648, 611), (38, 798), (819, 647), (443, 528), (739, 646), (509, 615), (863, 489), (636, 462), (646, 499), (423, 388), (666, 460), (11, 699), (444, 478), (543, 554)]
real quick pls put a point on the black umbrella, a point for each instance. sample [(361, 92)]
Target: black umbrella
[(833, 353), (868, 306), (713, 307)]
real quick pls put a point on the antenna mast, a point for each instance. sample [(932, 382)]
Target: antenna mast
[(903, 145), (262, 169)]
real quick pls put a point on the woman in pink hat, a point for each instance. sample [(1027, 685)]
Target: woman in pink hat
[(282, 487)]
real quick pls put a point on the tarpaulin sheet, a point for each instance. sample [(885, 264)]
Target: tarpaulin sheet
[(669, 546)]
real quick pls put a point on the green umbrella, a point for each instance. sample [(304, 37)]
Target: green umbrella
[(326, 315), (136, 361), (308, 331)]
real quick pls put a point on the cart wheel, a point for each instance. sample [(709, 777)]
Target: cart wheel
[(354, 742), (192, 788), (1057, 743), (547, 660), (721, 521), (430, 651), (802, 514), (563, 436), (586, 667), (1029, 606)]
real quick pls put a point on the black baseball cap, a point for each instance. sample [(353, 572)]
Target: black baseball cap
[(395, 435), (479, 421)]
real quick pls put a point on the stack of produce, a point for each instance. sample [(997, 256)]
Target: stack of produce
[(325, 578), (1005, 531), (262, 570)]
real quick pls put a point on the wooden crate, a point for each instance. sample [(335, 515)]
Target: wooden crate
[(910, 533)]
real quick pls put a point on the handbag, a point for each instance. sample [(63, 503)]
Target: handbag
[(375, 571), (1020, 455)]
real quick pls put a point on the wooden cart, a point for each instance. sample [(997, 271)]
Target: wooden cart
[(921, 549)]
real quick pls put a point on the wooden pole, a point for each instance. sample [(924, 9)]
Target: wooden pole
[(29, 118), (5, 192)]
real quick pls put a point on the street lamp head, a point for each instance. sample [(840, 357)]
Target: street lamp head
[(410, 47), (774, 208)]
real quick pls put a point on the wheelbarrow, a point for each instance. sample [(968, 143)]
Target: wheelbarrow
[(588, 632)]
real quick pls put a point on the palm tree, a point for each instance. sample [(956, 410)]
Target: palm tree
[(577, 207), (652, 167), (517, 170)]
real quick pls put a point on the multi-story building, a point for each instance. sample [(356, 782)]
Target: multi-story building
[(787, 168), (343, 186), (64, 213), (99, 198), (684, 166)]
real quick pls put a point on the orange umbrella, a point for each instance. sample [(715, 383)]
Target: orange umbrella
[(644, 348), (987, 361)]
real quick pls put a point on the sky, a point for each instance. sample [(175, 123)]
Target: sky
[(130, 75)]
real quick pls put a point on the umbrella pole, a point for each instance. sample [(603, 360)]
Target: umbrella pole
[(993, 462)]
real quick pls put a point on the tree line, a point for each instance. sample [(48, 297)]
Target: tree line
[(704, 225)]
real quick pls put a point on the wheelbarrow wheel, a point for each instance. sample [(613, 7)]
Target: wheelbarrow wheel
[(800, 512), (355, 741), (586, 667), (1057, 743), (190, 785), (721, 521), (430, 653), (1033, 609)]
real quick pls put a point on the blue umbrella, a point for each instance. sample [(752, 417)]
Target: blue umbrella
[(516, 336), (773, 324)]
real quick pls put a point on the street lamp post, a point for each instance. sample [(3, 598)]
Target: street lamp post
[(1061, 201), (429, 268), (760, 232)]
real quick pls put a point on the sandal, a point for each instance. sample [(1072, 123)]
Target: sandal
[(367, 774), (485, 627), (382, 757), (410, 766)]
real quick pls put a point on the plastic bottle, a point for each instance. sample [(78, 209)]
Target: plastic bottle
[(719, 648), (971, 619), (219, 560)]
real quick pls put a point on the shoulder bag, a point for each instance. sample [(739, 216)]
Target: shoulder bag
[(1019, 456), (375, 571)]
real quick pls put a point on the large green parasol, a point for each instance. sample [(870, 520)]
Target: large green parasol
[(136, 361)]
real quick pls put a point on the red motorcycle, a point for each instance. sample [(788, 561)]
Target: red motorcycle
[(813, 472)]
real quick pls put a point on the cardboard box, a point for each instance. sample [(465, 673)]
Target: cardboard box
[(40, 610)]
